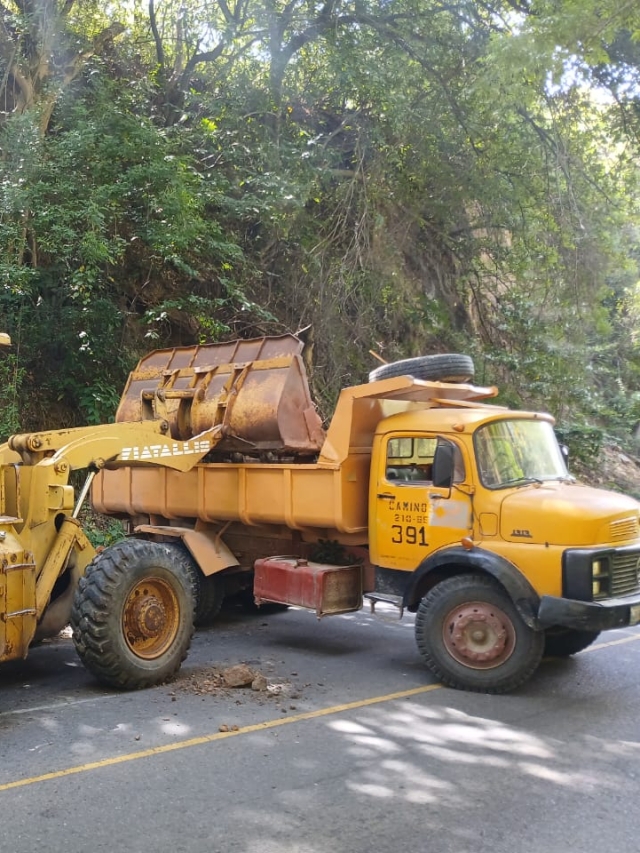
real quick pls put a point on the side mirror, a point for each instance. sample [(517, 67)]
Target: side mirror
[(564, 449), (443, 466)]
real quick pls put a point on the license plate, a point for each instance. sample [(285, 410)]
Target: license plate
[(634, 614)]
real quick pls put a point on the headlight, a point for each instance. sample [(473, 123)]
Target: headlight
[(600, 578)]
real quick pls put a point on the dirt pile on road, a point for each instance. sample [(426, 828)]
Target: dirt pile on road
[(237, 679)]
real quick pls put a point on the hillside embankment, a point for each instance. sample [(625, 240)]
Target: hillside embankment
[(613, 468)]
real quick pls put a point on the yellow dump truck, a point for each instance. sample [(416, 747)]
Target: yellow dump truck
[(418, 493)]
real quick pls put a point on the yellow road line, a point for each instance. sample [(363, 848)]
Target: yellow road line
[(199, 741), (620, 642)]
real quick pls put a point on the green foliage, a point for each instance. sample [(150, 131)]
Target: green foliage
[(407, 177), (584, 442), (332, 553), (102, 531), (97, 404), (119, 226), (11, 379)]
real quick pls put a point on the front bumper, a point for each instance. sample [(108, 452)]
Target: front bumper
[(589, 615)]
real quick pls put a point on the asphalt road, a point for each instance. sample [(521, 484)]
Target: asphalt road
[(352, 749)]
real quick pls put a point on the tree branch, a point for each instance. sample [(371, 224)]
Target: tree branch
[(8, 48), (226, 11), (156, 35)]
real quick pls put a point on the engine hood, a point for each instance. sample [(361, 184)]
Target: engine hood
[(569, 514)]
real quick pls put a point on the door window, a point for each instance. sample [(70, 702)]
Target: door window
[(410, 460)]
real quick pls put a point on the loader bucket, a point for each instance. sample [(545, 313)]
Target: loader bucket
[(256, 390)]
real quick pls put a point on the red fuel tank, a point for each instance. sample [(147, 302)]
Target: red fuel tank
[(317, 586)]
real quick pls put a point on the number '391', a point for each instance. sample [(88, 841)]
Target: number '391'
[(408, 534)]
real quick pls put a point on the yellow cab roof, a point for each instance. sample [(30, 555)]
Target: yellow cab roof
[(443, 419)]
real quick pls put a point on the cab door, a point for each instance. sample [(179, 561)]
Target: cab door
[(410, 517)]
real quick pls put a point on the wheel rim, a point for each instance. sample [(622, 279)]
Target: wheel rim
[(151, 618), (479, 635)]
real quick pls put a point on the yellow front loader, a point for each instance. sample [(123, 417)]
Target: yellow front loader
[(44, 551)]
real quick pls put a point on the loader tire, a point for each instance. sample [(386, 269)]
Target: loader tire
[(209, 590), (445, 367), (133, 613)]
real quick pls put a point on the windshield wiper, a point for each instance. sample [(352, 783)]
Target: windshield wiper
[(521, 481)]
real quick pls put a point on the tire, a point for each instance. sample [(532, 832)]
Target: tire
[(247, 602), (564, 642), (209, 589), (447, 367), (210, 597), (133, 613), (472, 638)]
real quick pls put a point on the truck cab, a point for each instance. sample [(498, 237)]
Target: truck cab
[(461, 497), (480, 459)]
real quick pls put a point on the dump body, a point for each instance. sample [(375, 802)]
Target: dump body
[(298, 496)]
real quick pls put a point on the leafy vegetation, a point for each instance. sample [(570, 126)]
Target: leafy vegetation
[(102, 531), (402, 177)]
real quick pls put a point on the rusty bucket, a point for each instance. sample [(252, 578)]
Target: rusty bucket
[(256, 390)]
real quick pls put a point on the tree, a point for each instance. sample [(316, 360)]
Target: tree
[(44, 47), (407, 176)]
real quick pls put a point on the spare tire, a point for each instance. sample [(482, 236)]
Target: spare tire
[(446, 367)]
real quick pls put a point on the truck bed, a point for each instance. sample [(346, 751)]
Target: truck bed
[(296, 495)]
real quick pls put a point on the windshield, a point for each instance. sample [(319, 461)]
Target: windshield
[(513, 452)]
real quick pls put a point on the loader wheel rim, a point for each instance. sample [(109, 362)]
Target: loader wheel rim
[(479, 635), (151, 618)]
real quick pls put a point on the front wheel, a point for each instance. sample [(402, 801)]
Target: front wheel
[(133, 614), (472, 637)]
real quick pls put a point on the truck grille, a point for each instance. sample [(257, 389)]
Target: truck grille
[(624, 528), (623, 576)]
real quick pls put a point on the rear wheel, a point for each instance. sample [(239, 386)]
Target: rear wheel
[(210, 596), (564, 642), (247, 602), (133, 613), (472, 637), (209, 589)]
